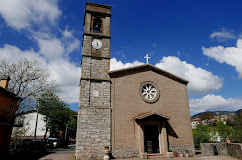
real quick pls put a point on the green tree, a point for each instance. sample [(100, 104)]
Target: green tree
[(202, 135), (223, 130), (236, 128), (72, 124), (56, 111)]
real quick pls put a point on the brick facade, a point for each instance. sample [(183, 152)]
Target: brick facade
[(127, 104)]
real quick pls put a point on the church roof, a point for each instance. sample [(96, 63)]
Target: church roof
[(152, 114), (146, 67)]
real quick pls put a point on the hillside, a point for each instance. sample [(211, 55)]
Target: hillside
[(219, 113)]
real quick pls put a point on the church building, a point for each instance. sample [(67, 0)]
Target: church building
[(138, 111)]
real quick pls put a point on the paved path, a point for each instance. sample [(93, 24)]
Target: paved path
[(61, 154), (190, 158), (69, 154)]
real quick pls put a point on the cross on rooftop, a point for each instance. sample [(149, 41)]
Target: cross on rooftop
[(147, 58)]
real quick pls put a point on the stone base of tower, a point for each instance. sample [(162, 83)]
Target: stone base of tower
[(93, 132)]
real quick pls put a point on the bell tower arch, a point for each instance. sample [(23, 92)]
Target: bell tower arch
[(94, 114)]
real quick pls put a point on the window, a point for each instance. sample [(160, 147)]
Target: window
[(97, 25), (10, 112), (149, 92)]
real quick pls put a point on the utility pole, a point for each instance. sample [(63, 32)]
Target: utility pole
[(36, 123), (66, 136)]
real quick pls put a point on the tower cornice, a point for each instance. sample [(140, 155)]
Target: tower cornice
[(96, 35)]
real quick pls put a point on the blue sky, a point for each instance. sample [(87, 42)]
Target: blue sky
[(200, 41)]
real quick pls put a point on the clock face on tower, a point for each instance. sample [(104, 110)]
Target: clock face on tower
[(97, 44)]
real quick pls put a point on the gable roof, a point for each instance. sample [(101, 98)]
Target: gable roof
[(146, 67), (152, 114)]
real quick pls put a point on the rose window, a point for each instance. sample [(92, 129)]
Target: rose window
[(149, 91)]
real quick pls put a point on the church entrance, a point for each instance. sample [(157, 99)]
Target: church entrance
[(151, 139)]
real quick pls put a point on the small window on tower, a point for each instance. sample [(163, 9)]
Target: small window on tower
[(97, 25)]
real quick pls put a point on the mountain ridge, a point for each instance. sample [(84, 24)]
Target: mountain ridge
[(219, 113)]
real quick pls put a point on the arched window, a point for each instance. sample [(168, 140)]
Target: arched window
[(97, 25)]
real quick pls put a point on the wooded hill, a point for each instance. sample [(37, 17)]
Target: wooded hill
[(219, 113)]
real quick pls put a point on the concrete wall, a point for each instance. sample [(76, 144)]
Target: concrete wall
[(233, 149)]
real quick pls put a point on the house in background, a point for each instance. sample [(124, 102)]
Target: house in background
[(195, 122), (29, 119), (8, 106), (212, 121)]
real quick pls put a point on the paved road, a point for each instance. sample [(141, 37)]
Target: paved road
[(61, 154), (190, 158)]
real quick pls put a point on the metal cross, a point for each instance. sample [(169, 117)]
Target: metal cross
[(147, 58)]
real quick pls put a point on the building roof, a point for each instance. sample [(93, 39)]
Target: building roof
[(6, 91), (152, 114), (146, 67), (27, 112), (197, 119)]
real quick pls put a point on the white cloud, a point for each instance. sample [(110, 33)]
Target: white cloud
[(53, 52), (51, 56), (66, 33), (51, 49), (200, 81), (222, 35), (115, 65), (56, 48), (24, 13), (212, 102), (230, 55)]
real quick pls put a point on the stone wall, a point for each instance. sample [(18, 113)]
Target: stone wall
[(233, 149), (95, 68), (89, 50), (125, 152), (94, 132), (95, 93)]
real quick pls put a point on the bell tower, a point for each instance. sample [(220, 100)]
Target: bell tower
[(94, 114)]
